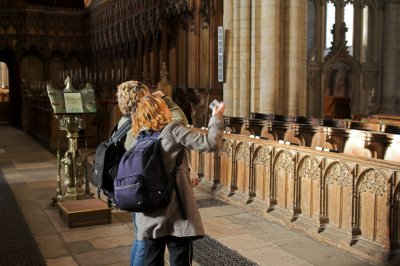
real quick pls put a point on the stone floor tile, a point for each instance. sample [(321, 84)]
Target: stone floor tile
[(40, 227), (112, 242), (226, 210), (122, 216), (220, 227), (273, 256), (14, 177), (201, 194), (34, 165), (52, 246), (86, 233), (116, 256), (272, 238), (64, 261), (53, 214), (122, 263), (79, 247), (327, 256), (243, 242)]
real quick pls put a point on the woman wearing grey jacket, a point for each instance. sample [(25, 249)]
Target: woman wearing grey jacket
[(170, 226), (128, 94)]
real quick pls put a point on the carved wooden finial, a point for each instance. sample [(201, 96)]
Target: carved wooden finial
[(371, 104), (146, 78), (164, 84), (164, 72)]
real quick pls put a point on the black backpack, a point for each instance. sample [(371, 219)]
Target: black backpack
[(106, 160), (142, 184)]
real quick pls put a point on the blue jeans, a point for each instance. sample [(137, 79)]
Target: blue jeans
[(137, 250)]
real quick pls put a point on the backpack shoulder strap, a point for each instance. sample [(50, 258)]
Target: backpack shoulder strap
[(148, 134), (121, 131)]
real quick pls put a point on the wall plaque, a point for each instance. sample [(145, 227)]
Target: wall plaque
[(220, 59)]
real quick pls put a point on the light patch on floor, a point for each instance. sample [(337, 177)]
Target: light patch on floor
[(2, 151), (23, 166)]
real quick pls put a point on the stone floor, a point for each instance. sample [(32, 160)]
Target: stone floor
[(31, 172)]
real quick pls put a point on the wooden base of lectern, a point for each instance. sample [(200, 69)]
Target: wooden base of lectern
[(79, 213)]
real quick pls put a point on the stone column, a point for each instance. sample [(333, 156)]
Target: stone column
[(237, 87), (230, 49), (297, 54), (228, 85), (391, 64), (244, 58), (236, 67), (267, 26)]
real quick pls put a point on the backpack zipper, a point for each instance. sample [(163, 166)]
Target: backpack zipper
[(128, 186)]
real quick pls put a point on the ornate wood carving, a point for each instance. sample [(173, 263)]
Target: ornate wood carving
[(262, 156), (308, 168), (350, 197), (338, 173)]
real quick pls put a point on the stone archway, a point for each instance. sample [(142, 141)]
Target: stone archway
[(14, 105)]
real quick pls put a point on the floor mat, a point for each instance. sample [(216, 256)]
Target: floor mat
[(211, 202), (208, 251), (17, 245)]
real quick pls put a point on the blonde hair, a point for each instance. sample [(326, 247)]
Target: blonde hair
[(129, 93), (148, 114)]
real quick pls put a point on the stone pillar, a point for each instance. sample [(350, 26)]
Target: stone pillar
[(297, 57), (228, 85), (235, 58), (244, 58), (237, 22), (391, 64), (265, 55)]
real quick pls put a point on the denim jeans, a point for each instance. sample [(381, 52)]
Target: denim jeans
[(137, 250)]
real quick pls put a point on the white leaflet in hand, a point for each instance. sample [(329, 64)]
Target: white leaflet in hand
[(213, 104)]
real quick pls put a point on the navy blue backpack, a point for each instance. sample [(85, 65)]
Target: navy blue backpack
[(142, 184)]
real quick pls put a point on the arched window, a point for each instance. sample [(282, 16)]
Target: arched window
[(4, 85), (349, 20), (330, 20), (364, 40)]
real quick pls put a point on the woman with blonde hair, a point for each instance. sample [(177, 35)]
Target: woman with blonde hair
[(177, 225), (128, 93)]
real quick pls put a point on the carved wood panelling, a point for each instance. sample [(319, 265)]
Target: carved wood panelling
[(350, 197), (261, 173), (44, 32), (338, 173), (208, 166), (242, 164), (338, 192), (395, 223), (372, 198), (308, 168), (226, 147), (226, 162), (283, 180), (261, 156), (309, 179)]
